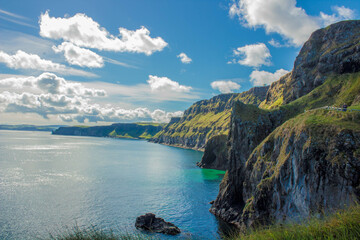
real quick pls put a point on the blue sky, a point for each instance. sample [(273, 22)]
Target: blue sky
[(64, 62)]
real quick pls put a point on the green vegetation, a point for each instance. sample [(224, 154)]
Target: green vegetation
[(150, 124), (208, 118), (343, 225), (248, 112), (94, 233), (319, 125), (335, 91), (118, 130)]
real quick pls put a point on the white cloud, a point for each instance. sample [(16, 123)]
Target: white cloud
[(50, 83), (112, 61), (14, 18), (165, 84), (184, 58), (225, 86), (76, 108), (276, 16), (344, 12), (259, 78), (23, 60), (79, 56), (83, 31), (277, 44), (341, 13), (253, 55), (51, 97)]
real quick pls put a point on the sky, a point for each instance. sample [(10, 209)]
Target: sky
[(99, 62)]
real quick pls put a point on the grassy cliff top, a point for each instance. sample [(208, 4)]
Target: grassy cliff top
[(320, 126), (335, 91), (318, 122)]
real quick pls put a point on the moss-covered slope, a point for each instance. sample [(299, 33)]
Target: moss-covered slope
[(117, 130), (310, 164), (333, 50), (205, 119)]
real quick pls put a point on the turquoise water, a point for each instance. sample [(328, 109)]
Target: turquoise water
[(50, 182)]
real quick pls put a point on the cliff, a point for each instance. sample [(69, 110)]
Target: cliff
[(286, 164), (117, 130), (215, 153), (333, 50), (308, 165), (205, 119)]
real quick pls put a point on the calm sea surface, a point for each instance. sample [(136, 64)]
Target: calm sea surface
[(49, 183)]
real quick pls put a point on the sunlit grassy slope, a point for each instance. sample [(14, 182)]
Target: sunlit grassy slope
[(208, 118), (343, 225)]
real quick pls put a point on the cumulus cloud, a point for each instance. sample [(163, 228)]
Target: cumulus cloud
[(83, 31), (76, 108), (165, 84), (340, 14), (49, 95), (50, 83), (79, 56), (184, 58), (225, 86), (277, 44), (23, 60), (260, 78), (253, 55), (276, 16)]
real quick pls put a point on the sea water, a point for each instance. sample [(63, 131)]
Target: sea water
[(50, 183)]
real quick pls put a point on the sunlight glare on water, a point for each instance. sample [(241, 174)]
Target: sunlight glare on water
[(51, 182)]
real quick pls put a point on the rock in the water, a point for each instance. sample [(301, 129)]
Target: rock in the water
[(151, 223)]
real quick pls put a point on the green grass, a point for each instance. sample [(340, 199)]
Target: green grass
[(247, 112), (335, 91), (343, 225), (95, 233), (207, 118)]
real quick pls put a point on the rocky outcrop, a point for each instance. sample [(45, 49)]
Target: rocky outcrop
[(249, 126), (308, 165), (215, 154), (116, 130), (331, 50), (151, 223), (205, 119)]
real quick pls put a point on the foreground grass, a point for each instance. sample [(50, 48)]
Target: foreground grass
[(94, 233), (344, 224)]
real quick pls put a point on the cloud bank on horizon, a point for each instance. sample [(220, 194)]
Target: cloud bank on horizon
[(79, 47), (70, 101)]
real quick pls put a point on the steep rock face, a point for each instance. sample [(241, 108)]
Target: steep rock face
[(215, 154), (205, 119), (308, 165), (331, 50), (249, 126)]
